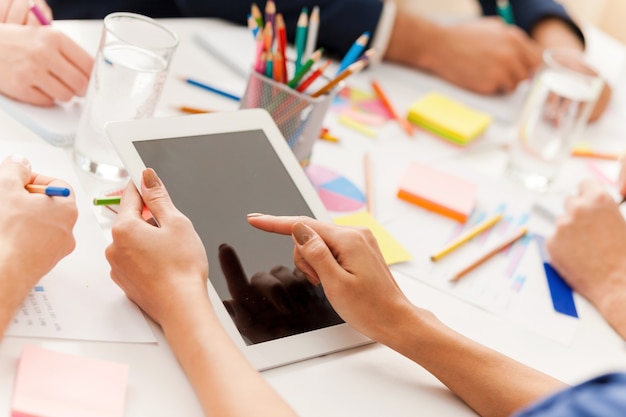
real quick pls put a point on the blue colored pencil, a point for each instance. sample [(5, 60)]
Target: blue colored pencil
[(354, 52), (211, 89)]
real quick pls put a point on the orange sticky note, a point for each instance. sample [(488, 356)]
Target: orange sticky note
[(54, 384), (438, 191)]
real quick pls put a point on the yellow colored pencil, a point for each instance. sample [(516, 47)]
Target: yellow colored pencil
[(517, 236), (469, 235), (359, 127)]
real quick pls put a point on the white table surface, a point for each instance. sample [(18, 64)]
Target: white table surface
[(371, 380)]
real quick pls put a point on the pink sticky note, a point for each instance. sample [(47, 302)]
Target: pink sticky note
[(54, 384), (438, 191)]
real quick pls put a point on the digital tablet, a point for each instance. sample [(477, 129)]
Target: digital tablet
[(218, 168)]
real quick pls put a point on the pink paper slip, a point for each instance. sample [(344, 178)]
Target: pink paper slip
[(54, 384), (438, 191)]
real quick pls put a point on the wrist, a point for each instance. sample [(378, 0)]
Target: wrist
[(610, 301), (555, 33)]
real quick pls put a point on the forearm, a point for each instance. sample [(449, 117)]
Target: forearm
[(489, 382), (610, 301), (224, 381), (555, 33), (411, 42)]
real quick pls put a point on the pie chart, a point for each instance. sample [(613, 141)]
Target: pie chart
[(336, 192)]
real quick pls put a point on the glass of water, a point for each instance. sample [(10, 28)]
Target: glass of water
[(127, 78), (555, 113)]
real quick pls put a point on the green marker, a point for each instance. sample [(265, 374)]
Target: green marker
[(505, 11), (107, 201)]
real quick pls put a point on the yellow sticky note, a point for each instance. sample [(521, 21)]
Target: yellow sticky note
[(448, 118), (392, 250)]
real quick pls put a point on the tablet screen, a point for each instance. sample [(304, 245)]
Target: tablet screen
[(216, 180)]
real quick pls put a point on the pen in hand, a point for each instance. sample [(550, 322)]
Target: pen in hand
[(36, 11), (48, 190)]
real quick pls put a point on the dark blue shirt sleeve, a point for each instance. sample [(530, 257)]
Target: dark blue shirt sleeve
[(528, 13), (604, 396), (341, 21)]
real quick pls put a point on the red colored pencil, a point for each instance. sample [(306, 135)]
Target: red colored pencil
[(312, 77)]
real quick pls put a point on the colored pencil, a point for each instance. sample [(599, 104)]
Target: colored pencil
[(311, 36), (214, 90), (469, 235), (256, 14), (406, 126), (301, 33), (588, 153), (270, 14), (259, 52), (325, 135), (253, 26), (48, 190), (491, 253), (36, 11), (268, 36), (192, 110), (278, 67), (106, 201), (505, 11), (312, 77), (281, 36), (352, 69), (354, 52), (357, 126), (269, 65), (306, 67)]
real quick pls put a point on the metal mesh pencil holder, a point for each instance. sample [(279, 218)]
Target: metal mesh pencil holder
[(299, 117)]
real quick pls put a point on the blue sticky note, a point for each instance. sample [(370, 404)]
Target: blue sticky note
[(561, 293)]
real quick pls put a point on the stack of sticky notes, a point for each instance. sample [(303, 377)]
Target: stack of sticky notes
[(449, 119), (54, 384), (438, 191)]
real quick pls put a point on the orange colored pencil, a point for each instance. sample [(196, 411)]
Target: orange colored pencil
[(278, 67), (268, 36), (312, 77), (517, 236), (406, 126), (588, 153), (352, 69)]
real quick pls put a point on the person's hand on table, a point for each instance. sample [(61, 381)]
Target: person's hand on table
[(36, 231), (351, 268), (486, 56), (273, 304), (588, 249), (18, 11), (39, 65), (159, 268), (621, 181)]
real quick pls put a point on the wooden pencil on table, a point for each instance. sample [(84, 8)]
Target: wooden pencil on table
[(471, 233), (490, 254)]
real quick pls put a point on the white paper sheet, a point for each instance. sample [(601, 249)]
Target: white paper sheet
[(77, 299)]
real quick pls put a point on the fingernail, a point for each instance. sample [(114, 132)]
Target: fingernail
[(20, 159), (255, 214), (150, 178), (302, 233)]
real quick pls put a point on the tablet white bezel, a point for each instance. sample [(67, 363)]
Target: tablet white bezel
[(279, 351)]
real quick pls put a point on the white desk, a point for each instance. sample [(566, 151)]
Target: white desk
[(368, 381)]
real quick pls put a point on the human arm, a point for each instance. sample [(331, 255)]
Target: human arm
[(39, 65), (164, 270), (588, 249), (36, 233), (18, 11), (362, 290)]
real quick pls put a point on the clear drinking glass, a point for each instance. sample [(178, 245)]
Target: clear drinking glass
[(555, 113), (127, 79)]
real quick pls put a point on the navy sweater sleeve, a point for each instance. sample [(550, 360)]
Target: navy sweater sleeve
[(341, 21), (604, 396), (528, 13)]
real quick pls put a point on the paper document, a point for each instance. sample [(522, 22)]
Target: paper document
[(77, 299), (57, 124), (218, 40)]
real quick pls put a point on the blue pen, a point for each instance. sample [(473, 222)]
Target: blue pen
[(354, 52), (212, 89), (48, 190)]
